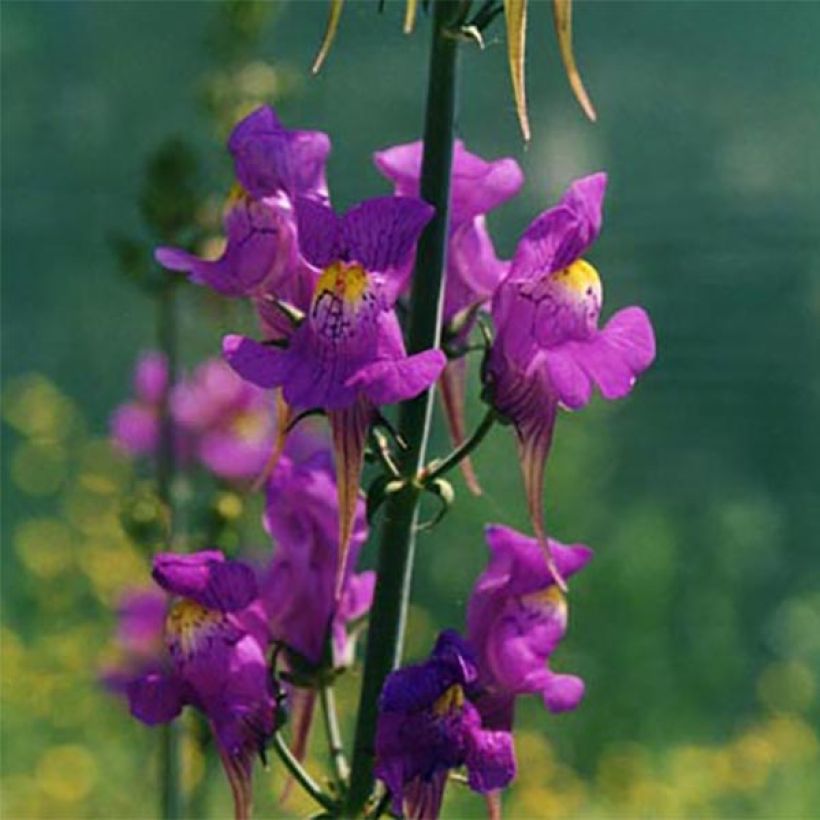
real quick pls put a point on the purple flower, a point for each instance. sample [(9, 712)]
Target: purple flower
[(301, 516), (428, 725), (473, 270), (516, 618), (139, 640), (274, 165), (347, 356), (549, 350), (297, 590), (135, 424), (230, 420), (215, 661)]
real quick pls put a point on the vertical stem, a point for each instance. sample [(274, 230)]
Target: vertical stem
[(171, 793), (334, 734), (395, 562)]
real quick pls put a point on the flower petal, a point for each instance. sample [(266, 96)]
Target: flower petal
[(207, 578), (571, 382), (490, 760), (562, 234), (320, 235), (563, 692), (155, 698), (263, 365), (619, 353), (389, 381), (270, 158), (381, 233)]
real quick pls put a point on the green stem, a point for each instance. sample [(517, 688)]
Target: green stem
[(171, 791), (462, 451), (334, 735), (301, 776), (395, 561)]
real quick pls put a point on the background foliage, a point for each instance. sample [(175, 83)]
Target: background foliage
[(697, 626)]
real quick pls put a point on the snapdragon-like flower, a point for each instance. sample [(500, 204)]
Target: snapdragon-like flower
[(135, 425), (229, 420), (473, 269), (301, 515), (428, 726), (215, 641), (549, 350), (298, 588), (516, 617), (273, 166), (347, 356)]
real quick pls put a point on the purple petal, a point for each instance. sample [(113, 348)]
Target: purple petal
[(571, 383), (320, 233), (151, 377), (478, 185), (155, 698), (619, 353), (387, 382), (401, 164), (473, 270), (562, 234), (260, 249), (207, 578), (381, 233), (563, 692), (490, 761), (135, 428), (270, 158), (263, 365), (140, 619), (520, 557)]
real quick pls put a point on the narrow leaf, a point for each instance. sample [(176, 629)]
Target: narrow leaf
[(515, 14), (562, 14), (330, 33), (410, 15)]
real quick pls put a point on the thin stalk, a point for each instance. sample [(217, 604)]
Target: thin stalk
[(301, 776), (462, 451), (334, 735), (395, 561), (171, 790)]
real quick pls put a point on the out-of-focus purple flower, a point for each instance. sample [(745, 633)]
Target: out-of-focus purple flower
[(347, 356), (214, 660), (135, 424), (274, 165), (230, 420), (428, 725), (549, 350), (516, 618), (219, 419), (139, 639), (301, 516), (473, 269)]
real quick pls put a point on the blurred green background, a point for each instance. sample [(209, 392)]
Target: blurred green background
[(697, 626)]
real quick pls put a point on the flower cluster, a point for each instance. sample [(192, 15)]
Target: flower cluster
[(220, 421), (325, 287), (203, 639)]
